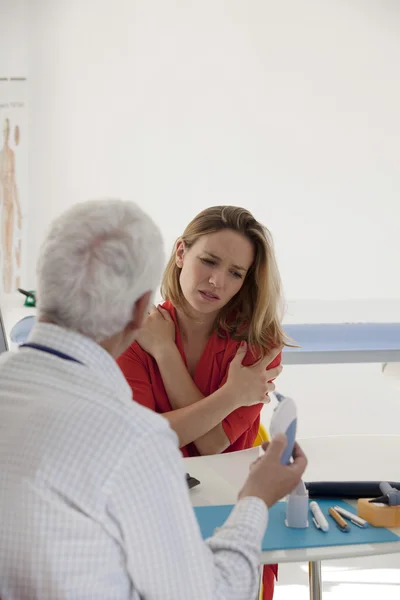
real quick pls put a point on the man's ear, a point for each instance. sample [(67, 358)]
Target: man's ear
[(139, 311)]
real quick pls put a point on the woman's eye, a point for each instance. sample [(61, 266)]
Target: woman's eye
[(237, 275), (207, 261)]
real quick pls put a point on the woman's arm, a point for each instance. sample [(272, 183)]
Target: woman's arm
[(182, 391), (180, 387), (189, 422), (210, 432), (196, 422)]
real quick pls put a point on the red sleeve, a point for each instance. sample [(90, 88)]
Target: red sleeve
[(241, 426), (134, 368)]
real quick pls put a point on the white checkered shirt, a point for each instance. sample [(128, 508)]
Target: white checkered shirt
[(93, 498)]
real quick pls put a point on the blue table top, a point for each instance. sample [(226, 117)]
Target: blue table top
[(280, 537)]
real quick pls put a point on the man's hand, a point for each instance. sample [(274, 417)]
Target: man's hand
[(268, 478)]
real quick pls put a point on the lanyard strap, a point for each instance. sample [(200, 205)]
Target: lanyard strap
[(51, 351)]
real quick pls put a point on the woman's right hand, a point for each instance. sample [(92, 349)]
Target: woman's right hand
[(157, 334), (251, 385)]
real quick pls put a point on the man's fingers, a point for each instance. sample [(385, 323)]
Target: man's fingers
[(256, 462), (297, 451), (298, 454), (277, 446), (299, 459)]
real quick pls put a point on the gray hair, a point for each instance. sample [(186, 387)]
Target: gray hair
[(97, 260)]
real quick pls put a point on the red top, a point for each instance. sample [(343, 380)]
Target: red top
[(142, 374)]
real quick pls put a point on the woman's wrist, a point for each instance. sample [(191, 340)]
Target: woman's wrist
[(165, 351), (229, 390)]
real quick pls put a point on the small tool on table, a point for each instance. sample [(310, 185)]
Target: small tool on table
[(352, 517), (318, 517), (340, 522), (384, 510), (390, 495)]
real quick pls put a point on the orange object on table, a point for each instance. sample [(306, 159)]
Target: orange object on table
[(379, 515)]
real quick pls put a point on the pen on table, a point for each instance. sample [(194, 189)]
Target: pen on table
[(355, 519), (341, 523), (318, 517)]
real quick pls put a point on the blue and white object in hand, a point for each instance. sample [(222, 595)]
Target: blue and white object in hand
[(284, 420)]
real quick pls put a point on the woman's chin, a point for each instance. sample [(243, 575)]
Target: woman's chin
[(203, 307)]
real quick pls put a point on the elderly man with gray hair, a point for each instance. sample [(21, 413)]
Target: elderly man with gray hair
[(93, 496)]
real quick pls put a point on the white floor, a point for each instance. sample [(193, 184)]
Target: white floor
[(364, 579), (334, 400)]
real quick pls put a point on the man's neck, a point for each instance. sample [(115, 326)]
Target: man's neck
[(45, 319), (112, 346)]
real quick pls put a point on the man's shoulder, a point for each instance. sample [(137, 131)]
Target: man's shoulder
[(82, 400), (120, 413), (136, 424)]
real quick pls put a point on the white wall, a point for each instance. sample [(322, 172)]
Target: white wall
[(288, 108), (14, 42)]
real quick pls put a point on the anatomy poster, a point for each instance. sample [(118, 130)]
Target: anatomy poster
[(13, 182)]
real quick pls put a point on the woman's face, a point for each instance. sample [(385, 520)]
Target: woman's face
[(213, 269)]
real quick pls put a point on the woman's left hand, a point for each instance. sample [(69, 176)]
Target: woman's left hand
[(157, 333)]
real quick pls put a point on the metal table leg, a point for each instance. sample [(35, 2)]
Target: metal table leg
[(314, 578)]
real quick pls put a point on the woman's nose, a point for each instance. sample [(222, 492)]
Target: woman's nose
[(216, 279)]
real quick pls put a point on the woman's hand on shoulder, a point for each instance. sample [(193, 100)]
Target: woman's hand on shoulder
[(157, 333)]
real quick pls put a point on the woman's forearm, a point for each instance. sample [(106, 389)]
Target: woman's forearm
[(180, 387), (214, 441), (201, 424), (183, 392), (192, 423)]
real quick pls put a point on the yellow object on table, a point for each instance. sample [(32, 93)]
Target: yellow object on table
[(379, 515)]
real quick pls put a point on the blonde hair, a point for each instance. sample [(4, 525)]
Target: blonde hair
[(255, 313)]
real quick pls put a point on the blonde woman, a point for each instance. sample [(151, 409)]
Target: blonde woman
[(201, 357)]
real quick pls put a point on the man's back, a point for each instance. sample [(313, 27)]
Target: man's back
[(65, 430)]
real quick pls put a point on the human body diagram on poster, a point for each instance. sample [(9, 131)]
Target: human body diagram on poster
[(11, 214)]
